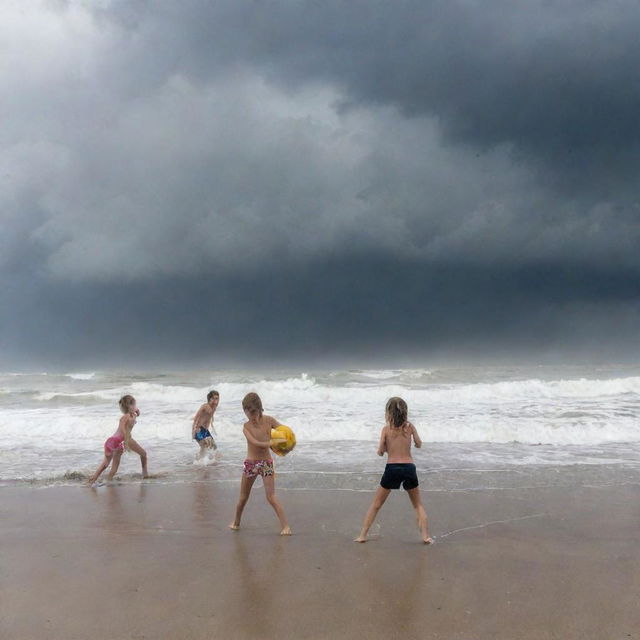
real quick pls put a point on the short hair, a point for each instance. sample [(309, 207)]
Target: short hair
[(212, 393), (397, 411), (125, 402), (251, 402)]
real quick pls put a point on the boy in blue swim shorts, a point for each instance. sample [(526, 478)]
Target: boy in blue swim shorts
[(203, 423)]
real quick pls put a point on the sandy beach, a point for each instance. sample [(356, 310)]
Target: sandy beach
[(157, 561)]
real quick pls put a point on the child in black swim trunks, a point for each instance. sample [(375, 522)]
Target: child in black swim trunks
[(203, 421), (395, 440)]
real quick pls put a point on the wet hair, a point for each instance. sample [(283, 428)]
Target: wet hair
[(125, 402), (212, 393), (396, 411), (251, 403)]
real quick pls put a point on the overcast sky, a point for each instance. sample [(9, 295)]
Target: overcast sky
[(300, 180)]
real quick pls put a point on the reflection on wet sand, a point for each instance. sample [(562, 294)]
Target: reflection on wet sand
[(203, 500), (113, 517), (158, 561), (404, 590), (256, 573)]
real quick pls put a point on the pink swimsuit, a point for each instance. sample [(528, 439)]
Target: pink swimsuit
[(115, 442)]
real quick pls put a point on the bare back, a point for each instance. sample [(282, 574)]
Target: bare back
[(396, 442)]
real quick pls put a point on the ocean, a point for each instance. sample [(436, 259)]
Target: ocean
[(483, 427)]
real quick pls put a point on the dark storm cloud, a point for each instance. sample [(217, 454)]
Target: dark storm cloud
[(419, 175), (361, 308), (558, 80)]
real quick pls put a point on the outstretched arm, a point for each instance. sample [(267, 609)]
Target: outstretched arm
[(274, 425), (382, 446), (128, 423), (211, 427), (196, 422), (416, 438), (263, 444)]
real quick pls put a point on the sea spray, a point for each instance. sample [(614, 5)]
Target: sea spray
[(55, 424)]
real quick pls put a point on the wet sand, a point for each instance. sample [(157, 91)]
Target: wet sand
[(157, 561)]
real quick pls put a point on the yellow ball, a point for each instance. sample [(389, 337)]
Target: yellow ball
[(288, 438)]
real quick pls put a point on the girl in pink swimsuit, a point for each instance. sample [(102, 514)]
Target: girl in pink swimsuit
[(121, 440)]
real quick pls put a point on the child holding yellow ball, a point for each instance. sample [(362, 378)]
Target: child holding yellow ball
[(257, 431)]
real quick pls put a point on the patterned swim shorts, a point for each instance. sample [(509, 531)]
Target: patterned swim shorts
[(254, 468)]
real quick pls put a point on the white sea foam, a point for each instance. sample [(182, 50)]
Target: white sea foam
[(60, 423), (81, 376)]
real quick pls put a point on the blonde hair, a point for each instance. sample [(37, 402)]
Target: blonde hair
[(251, 403), (396, 412), (125, 403), (125, 406)]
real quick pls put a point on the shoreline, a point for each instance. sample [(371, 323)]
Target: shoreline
[(309, 475), (157, 561)]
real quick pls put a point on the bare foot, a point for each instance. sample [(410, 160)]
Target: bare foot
[(234, 527), (360, 539), (286, 532), (422, 525)]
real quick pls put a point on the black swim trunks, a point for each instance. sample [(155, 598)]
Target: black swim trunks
[(397, 474)]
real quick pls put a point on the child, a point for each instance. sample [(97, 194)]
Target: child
[(257, 431), (395, 439), (202, 421), (115, 446)]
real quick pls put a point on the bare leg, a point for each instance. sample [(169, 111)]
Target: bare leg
[(381, 495), (270, 492), (117, 455), (207, 447), (245, 490), (134, 446), (421, 514), (103, 465)]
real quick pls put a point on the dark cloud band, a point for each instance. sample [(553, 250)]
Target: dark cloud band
[(420, 175)]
